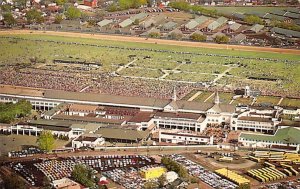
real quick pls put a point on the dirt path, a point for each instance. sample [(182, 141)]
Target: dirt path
[(154, 41)]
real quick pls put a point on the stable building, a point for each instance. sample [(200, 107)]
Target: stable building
[(88, 140), (284, 137)]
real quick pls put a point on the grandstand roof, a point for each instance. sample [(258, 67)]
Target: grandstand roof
[(287, 135), (106, 99), (23, 91), (257, 119), (123, 134), (179, 115)]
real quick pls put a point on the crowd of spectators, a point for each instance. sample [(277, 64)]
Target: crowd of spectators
[(219, 133), (60, 80)]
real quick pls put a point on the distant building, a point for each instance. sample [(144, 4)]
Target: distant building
[(184, 138), (65, 183), (88, 140), (257, 120), (285, 137)]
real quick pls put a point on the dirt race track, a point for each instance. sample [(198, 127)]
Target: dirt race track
[(155, 41)]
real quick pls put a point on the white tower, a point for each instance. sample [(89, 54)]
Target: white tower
[(174, 98), (217, 98)]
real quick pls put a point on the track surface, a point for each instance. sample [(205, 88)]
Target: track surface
[(155, 41)]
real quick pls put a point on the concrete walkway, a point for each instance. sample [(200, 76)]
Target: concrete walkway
[(222, 74), (125, 66), (194, 96), (280, 101), (209, 97)]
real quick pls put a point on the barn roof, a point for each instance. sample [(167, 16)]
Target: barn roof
[(287, 33), (126, 23), (104, 22)]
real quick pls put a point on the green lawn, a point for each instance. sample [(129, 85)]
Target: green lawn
[(267, 100), (203, 96), (225, 98), (189, 95), (242, 101), (290, 102), (15, 142), (141, 72), (191, 77)]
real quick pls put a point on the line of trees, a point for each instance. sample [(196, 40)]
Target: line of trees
[(185, 6), (126, 4)]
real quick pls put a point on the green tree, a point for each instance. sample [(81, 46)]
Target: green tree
[(174, 166), (162, 180), (46, 141), (83, 175), (252, 19), (58, 19), (197, 37), (221, 39), (34, 16), (175, 36), (112, 8), (126, 4), (99, 14), (154, 35), (73, 13), (150, 185), (8, 19), (244, 186), (9, 111), (20, 3), (6, 8), (60, 2)]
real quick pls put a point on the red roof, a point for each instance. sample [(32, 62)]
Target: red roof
[(103, 182)]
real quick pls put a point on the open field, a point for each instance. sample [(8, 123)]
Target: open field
[(178, 63), (268, 100), (290, 102), (15, 142), (225, 98), (203, 96), (242, 101)]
